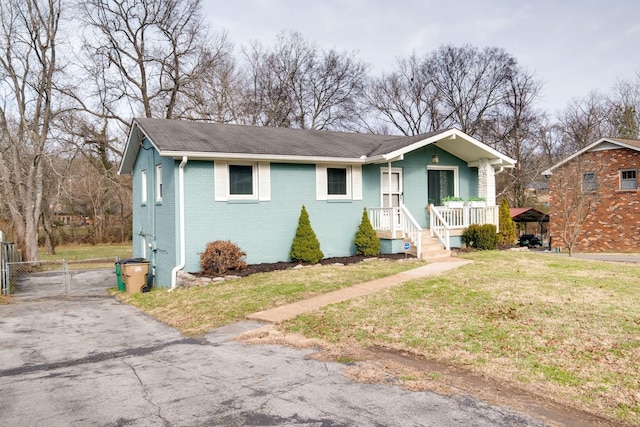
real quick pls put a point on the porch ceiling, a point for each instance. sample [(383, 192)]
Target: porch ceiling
[(469, 152)]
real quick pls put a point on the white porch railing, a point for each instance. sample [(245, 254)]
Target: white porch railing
[(444, 219), (399, 222), (439, 227)]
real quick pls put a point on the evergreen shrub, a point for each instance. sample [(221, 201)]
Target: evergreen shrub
[(221, 256), (367, 242), (507, 234), (305, 246), (482, 237)]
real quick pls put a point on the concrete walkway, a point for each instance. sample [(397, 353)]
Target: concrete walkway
[(289, 311)]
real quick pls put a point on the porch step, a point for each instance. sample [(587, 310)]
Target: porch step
[(432, 248)]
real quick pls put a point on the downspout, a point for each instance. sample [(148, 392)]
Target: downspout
[(180, 266)]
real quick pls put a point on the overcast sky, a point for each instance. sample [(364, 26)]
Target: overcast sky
[(572, 46)]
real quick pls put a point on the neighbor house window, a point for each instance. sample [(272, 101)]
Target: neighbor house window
[(143, 187), (628, 180), (158, 183), (589, 182), (336, 181)]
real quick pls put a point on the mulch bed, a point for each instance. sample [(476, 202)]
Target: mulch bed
[(275, 266)]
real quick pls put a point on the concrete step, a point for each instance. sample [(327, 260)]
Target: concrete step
[(430, 249)]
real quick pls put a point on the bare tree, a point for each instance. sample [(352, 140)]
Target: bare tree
[(296, 85), (217, 95), (574, 197), (515, 133), (585, 121), (470, 83), (268, 101), (28, 71), (147, 56), (451, 87), (625, 108), (406, 99)]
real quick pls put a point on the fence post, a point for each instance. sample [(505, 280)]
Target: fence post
[(65, 272), (3, 281)]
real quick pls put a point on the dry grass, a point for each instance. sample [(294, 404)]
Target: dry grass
[(198, 310), (563, 328)]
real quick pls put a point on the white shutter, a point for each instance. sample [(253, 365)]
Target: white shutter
[(321, 182), (221, 177), (264, 181), (356, 182)]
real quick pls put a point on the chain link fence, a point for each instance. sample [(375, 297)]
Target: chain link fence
[(45, 278)]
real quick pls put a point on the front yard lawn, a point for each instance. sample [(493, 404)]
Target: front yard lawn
[(563, 328), (197, 310)]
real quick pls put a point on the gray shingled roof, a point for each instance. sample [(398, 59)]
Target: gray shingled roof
[(202, 137)]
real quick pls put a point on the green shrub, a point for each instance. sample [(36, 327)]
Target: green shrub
[(507, 234), (221, 256), (480, 236), (367, 242), (305, 247)]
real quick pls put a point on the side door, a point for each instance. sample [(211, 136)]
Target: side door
[(391, 192)]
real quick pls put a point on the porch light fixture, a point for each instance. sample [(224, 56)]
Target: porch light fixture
[(434, 158)]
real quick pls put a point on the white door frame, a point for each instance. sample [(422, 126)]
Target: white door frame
[(391, 192), (456, 177)]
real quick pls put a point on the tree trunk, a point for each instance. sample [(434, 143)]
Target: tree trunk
[(48, 232), (31, 241)]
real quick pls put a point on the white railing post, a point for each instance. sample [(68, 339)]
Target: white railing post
[(439, 226), (397, 220)]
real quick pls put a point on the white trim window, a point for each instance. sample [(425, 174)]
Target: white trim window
[(439, 183), (242, 181), (158, 183), (628, 179), (338, 182), (143, 187)]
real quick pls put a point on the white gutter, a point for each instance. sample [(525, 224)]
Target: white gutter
[(174, 272)]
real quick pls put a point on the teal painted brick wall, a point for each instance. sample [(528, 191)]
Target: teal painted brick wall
[(155, 222), (165, 257), (391, 246), (415, 175), (265, 229)]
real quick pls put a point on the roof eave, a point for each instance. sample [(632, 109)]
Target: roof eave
[(591, 146), (129, 156), (131, 150)]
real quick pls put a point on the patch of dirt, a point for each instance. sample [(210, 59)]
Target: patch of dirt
[(275, 266), (414, 372)]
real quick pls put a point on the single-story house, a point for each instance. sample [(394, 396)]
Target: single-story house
[(594, 199), (197, 182)]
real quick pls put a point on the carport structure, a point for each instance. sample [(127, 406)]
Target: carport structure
[(528, 216)]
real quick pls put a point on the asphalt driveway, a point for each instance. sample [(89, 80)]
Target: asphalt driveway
[(93, 361)]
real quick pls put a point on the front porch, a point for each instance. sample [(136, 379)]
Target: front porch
[(397, 223)]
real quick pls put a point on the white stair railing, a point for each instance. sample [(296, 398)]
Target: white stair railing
[(399, 222), (439, 227), (411, 229)]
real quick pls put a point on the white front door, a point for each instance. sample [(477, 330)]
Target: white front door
[(391, 194)]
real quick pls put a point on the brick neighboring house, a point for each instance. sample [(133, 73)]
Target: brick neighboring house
[(594, 198)]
